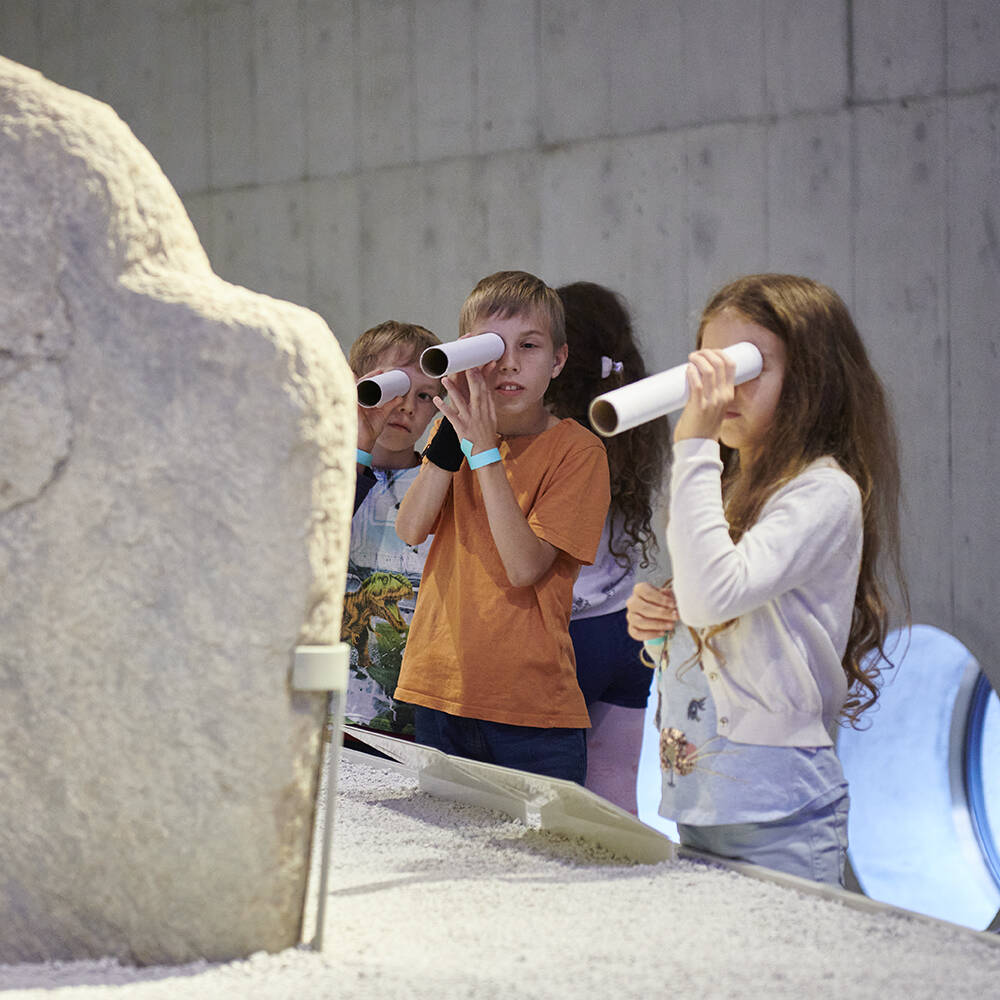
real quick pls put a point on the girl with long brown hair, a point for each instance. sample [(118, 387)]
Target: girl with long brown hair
[(783, 514)]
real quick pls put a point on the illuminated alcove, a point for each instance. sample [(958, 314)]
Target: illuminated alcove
[(925, 785), (924, 776)]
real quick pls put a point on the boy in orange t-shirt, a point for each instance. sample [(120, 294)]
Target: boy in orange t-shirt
[(489, 662)]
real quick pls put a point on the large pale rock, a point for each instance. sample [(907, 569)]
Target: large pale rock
[(176, 466)]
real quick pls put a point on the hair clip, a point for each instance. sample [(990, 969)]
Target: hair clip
[(608, 366)]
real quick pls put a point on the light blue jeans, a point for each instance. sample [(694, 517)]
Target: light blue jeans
[(811, 843)]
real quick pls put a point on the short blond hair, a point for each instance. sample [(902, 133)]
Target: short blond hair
[(373, 343), (514, 293)]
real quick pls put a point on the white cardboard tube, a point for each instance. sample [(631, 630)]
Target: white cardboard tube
[(469, 352), (380, 389), (652, 397)]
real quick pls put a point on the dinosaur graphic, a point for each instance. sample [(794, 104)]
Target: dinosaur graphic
[(377, 597)]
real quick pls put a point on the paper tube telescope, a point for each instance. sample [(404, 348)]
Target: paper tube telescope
[(652, 397), (469, 352), (380, 389)]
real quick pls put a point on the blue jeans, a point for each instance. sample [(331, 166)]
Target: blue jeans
[(811, 843), (555, 753)]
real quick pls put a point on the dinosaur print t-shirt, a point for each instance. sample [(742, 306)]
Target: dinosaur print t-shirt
[(383, 577), (708, 779)]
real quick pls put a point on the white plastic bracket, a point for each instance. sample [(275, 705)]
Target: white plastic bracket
[(321, 668)]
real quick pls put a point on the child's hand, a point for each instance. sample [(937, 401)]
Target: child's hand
[(651, 611), (470, 407), (372, 419), (710, 381)]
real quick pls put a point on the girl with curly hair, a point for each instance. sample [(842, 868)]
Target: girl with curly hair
[(603, 355)]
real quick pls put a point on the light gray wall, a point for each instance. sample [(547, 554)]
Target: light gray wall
[(373, 159)]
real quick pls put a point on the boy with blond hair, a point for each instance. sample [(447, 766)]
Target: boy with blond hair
[(516, 500), (383, 572)]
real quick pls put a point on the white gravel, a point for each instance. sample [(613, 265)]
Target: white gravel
[(434, 899)]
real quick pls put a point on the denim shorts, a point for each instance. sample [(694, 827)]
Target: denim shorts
[(556, 753), (811, 843), (608, 667)]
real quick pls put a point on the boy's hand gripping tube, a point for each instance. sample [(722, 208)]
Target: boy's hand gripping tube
[(622, 409), (380, 389), (459, 355)]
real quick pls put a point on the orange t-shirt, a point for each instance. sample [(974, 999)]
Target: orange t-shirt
[(479, 647)]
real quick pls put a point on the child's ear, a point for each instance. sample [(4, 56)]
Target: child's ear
[(559, 359)]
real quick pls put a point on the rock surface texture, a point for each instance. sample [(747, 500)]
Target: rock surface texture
[(176, 466)]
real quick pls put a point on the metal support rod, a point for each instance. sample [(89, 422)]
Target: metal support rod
[(323, 668), (333, 734)]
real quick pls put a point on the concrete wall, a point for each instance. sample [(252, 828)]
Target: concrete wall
[(373, 159)]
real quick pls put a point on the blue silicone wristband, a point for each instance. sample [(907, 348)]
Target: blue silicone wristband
[(484, 458), (364, 458)]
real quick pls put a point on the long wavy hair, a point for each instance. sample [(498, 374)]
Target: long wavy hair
[(831, 403), (598, 325)]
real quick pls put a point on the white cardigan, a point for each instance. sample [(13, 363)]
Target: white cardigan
[(790, 581)]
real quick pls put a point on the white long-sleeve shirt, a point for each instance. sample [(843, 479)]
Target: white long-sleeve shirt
[(790, 581)]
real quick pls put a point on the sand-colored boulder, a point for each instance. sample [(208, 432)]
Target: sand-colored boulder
[(176, 466)]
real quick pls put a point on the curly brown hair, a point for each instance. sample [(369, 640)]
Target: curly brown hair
[(833, 403), (598, 325)]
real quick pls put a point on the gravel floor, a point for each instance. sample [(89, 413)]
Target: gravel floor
[(430, 898)]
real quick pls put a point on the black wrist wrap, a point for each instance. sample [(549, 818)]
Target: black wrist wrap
[(444, 449)]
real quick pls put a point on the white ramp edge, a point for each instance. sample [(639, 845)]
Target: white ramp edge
[(539, 802), (570, 809)]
